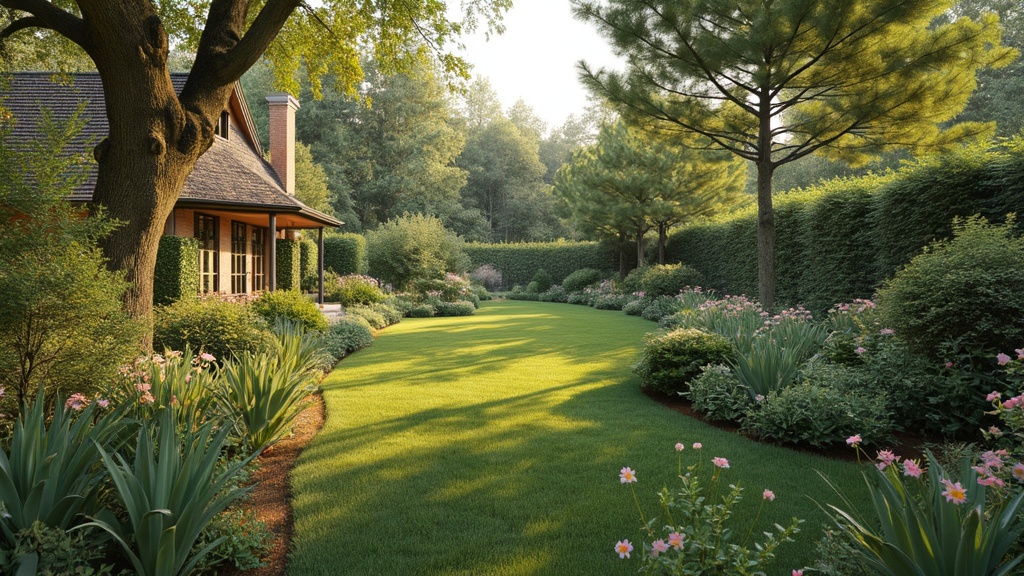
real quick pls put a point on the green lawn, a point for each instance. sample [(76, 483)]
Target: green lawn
[(492, 444)]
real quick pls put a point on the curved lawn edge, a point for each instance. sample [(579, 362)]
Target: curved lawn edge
[(491, 444)]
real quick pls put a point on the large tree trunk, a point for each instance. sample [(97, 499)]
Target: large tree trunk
[(662, 241), (765, 210), (640, 259), (623, 268)]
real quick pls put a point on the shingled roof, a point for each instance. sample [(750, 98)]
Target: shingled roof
[(232, 174)]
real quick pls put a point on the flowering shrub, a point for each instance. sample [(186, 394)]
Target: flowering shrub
[(215, 324), (933, 523), (449, 288), (692, 535), (182, 379), (487, 276), (353, 290)]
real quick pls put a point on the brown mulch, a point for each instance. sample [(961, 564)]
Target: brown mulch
[(906, 445), (272, 495)]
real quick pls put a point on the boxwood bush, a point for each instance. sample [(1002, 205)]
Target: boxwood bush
[(345, 254), (346, 335), (211, 324), (460, 308), (668, 279), (671, 360), (580, 279)]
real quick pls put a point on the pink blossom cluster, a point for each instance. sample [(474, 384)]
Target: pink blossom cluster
[(857, 306), (734, 304), (1004, 359), (362, 279), (78, 402)]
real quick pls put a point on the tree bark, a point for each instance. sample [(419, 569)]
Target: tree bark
[(640, 260), (622, 255), (662, 242), (765, 210)]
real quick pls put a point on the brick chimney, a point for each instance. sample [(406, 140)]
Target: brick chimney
[(282, 138)]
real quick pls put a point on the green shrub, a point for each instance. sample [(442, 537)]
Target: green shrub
[(346, 335), (450, 287), (668, 279), (391, 314), (533, 288), (403, 303), (422, 311), (776, 353), (718, 394), (969, 290), (633, 281), (661, 307), (518, 262), (353, 290), (820, 416), (376, 320), (554, 294), (55, 552), (289, 257), (578, 298), (636, 307), (413, 247), (177, 270), (487, 276), (670, 361), (453, 308), (611, 301), (211, 324), (345, 254), (290, 305), (244, 539), (542, 280), (308, 264), (580, 279)]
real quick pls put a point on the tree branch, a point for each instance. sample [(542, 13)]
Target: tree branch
[(46, 15), (261, 33)]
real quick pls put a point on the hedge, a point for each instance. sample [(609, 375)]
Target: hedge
[(345, 254), (307, 259), (841, 239), (288, 259), (177, 270), (518, 262)]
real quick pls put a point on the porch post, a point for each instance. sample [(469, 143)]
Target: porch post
[(320, 266), (273, 252)]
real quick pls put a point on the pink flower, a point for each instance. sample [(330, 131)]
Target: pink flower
[(658, 547), (798, 573), (1003, 359), (768, 495), (76, 401), (103, 402), (995, 431), (954, 493), (623, 547), (679, 447), (759, 398), (627, 475), (143, 387), (949, 364), (1018, 472), (886, 331), (1020, 353), (207, 357), (854, 440), (720, 462), (993, 396), (993, 459), (697, 445), (990, 481), (147, 398), (675, 540), (860, 350), (1011, 403), (910, 468), (885, 458)]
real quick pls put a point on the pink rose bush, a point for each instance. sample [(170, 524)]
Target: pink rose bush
[(692, 535)]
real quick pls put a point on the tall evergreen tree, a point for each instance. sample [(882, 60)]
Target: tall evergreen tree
[(773, 81)]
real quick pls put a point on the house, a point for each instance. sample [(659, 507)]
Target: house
[(235, 202)]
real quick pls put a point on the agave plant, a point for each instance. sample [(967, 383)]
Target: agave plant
[(171, 490), (50, 474), (925, 531), (265, 392)]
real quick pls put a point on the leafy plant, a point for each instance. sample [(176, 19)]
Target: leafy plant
[(422, 311), (374, 318), (813, 415), (47, 551), (668, 279), (670, 361), (661, 307), (932, 525), (693, 536), (718, 394), (580, 279), (244, 539), (487, 276), (170, 492), (211, 324), (50, 473), (183, 379), (412, 247), (346, 335), (776, 351), (290, 305), (353, 290), (461, 308), (542, 280)]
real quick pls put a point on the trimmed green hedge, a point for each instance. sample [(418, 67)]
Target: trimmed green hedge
[(307, 263), (841, 239), (288, 259), (177, 270), (519, 262), (345, 254)]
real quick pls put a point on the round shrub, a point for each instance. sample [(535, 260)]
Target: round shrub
[(213, 325), (353, 290), (554, 294), (408, 248), (611, 301), (668, 279), (543, 281), (376, 320), (290, 305), (578, 298), (391, 315), (422, 311), (346, 335), (401, 302), (814, 415), (661, 307), (719, 395), (969, 289), (487, 276), (636, 307), (633, 281), (580, 279), (460, 308), (670, 361)]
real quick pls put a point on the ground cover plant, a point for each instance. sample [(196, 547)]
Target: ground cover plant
[(511, 427)]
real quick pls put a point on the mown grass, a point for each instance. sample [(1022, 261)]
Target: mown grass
[(491, 445)]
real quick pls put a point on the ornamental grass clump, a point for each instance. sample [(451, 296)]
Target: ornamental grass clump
[(930, 522), (777, 350), (692, 535)]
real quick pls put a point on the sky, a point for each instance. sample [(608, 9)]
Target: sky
[(535, 59)]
